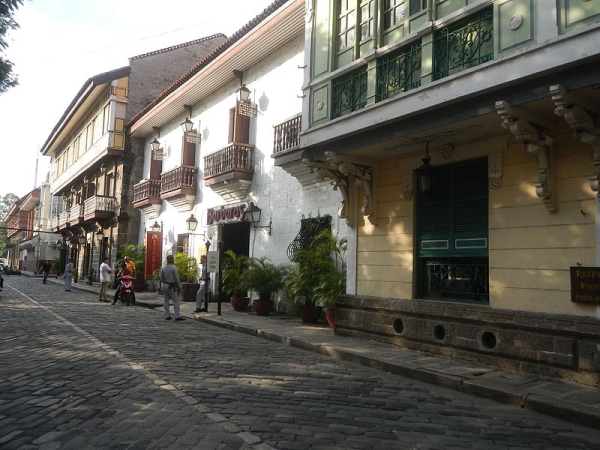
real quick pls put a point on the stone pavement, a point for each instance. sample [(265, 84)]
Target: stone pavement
[(550, 396)]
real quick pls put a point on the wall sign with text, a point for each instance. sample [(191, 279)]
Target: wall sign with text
[(585, 285)]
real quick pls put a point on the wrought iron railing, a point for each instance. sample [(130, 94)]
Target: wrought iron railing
[(99, 203), (457, 279), (287, 134), (399, 72), (467, 44), (178, 178), (349, 92), (235, 157), (146, 189)]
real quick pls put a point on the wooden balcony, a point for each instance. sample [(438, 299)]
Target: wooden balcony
[(178, 186), (75, 216), (287, 135), (99, 207), (147, 192), (229, 171)]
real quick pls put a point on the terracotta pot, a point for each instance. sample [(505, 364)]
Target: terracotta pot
[(310, 313), (330, 316), (262, 307), (239, 303)]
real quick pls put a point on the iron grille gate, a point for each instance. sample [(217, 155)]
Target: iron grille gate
[(457, 279)]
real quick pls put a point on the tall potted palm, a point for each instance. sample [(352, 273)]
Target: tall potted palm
[(235, 280), (187, 266), (264, 278)]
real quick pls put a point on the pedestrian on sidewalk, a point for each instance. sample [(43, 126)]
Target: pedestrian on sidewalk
[(201, 300), (46, 270), (67, 275), (105, 272), (171, 287)]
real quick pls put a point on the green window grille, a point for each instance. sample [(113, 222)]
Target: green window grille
[(393, 13), (399, 72), (349, 92), (463, 45)]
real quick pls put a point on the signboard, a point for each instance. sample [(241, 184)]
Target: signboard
[(153, 253), (226, 214), (585, 285), (212, 262)]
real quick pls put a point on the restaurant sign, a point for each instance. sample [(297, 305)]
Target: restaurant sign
[(226, 214), (585, 285)]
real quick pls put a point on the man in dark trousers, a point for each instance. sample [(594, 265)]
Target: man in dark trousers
[(45, 269)]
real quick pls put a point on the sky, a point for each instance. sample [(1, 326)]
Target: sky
[(62, 43)]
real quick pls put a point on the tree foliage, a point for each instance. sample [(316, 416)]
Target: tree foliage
[(7, 8), (6, 202)]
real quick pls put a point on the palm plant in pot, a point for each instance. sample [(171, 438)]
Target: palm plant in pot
[(235, 280), (264, 278), (318, 276), (187, 267)]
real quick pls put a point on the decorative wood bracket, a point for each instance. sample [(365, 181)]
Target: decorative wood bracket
[(578, 113), (532, 131), (343, 170)]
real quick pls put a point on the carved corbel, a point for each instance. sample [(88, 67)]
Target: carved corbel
[(533, 134), (587, 128), (362, 171), (325, 171)]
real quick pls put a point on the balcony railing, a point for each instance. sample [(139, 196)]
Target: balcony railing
[(287, 134), (75, 212), (99, 205), (182, 178), (465, 45), (236, 158), (349, 92), (399, 72), (63, 218), (147, 191), (54, 222)]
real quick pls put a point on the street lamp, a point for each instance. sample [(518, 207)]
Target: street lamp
[(253, 214), (187, 125), (83, 239), (191, 223), (426, 174), (156, 227)]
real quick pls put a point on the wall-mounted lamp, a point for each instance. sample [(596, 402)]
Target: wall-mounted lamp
[(156, 227), (157, 155), (155, 145), (73, 189), (187, 125), (244, 93), (57, 245), (86, 180), (192, 223), (82, 239), (99, 235), (253, 214), (426, 173), (102, 168)]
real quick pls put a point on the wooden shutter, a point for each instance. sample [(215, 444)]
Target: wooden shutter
[(155, 168), (453, 220), (241, 127), (188, 156)]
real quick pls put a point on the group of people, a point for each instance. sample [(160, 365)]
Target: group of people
[(169, 282)]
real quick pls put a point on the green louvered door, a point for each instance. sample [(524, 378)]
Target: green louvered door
[(452, 227)]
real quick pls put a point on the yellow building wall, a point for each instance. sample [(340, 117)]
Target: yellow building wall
[(531, 248)]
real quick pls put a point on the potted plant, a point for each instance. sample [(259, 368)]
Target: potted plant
[(90, 276), (187, 266), (318, 277), (235, 280), (264, 278)]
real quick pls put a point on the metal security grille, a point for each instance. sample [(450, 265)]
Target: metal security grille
[(309, 229), (464, 45), (457, 279), (399, 72), (349, 92)]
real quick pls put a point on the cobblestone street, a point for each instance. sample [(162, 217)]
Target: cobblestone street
[(79, 374)]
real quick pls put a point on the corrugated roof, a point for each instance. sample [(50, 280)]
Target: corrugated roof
[(175, 47), (209, 58)]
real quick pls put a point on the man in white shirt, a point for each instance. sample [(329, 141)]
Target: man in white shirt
[(105, 272), (201, 303)]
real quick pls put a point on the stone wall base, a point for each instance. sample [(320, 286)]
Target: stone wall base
[(553, 345)]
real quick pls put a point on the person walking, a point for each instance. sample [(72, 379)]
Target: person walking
[(67, 275), (105, 272), (171, 287), (201, 300), (45, 269)]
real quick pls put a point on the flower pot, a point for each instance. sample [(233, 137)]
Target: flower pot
[(330, 317), (239, 303), (310, 313), (188, 292), (262, 307)]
